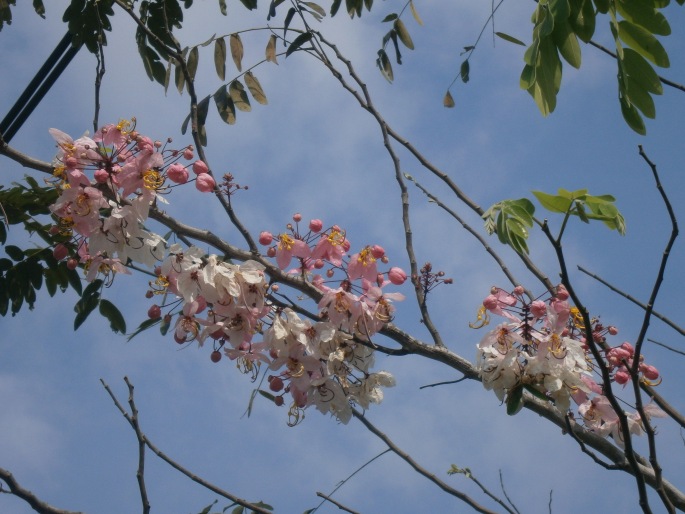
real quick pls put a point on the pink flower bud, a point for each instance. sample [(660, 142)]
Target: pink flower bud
[(346, 245), (60, 252), (315, 225), (613, 330), (265, 238), (154, 312), (72, 263), (562, 293), (490, 302), (200, 167), (650, 372), (205, 183), (188, 154), (271, 252), (177, 173), (329, 273), (71, 162), (629, 347), (297, 217), (622, 377), (377, 251), (538, 308), (101, 176), (318, 263), (397, 276), (518, 290)]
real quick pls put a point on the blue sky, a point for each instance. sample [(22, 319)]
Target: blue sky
[(312, 150)]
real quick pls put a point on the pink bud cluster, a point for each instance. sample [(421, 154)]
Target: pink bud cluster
[(107, 184), (543, 348)]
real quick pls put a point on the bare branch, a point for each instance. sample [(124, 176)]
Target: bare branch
[(168, 460), (36, 504), (337, 504), (419, 469)]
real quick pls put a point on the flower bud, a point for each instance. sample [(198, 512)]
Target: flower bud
[(562, 293), (518, 290), (199, 167), (177, 173), (538, 308), (154, 312), (316, 225), (265, 238), (622, 377), (72, 264), (271, 252), (205, 183), (297, 217), (188, 154), (377, 251), (613, 330), (650, 372), (318, 263), (397, 276), (101, 176), (60, 252)]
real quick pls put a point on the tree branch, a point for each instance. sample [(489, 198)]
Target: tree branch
[(36, 504)]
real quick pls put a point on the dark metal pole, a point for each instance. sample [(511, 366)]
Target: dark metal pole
[(47, 75)]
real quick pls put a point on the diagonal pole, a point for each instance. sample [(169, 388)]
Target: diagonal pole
[(47, 75)]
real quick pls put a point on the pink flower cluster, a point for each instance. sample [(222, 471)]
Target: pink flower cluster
[(361, 309), (107, 184), (325, 363), (542, 348)]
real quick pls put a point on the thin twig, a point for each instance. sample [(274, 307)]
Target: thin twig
[(633, 300), (504, 491), (173, 463), (419, 469), (337, 504), (444, 383)]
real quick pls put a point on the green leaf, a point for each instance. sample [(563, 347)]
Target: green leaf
[(113, 315), (644, 14), (255, 88), (639, 97), (553, 203), (14, 252), (567, 43), (403, 34), (250, 4), (582, 19), (643, 42), (220, 58), (510, 39), (179, 78), (208, 508), (222, 7), (390, 17), (514, 400), (298, 42), (632, 116), (638, 69), (464, 71), (267, 395), (144, 326), (84, 307)]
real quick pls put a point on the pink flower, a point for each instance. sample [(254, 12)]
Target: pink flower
[(205, 183), (331, 247), (363, 265), (538, 308), (288, 248)]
